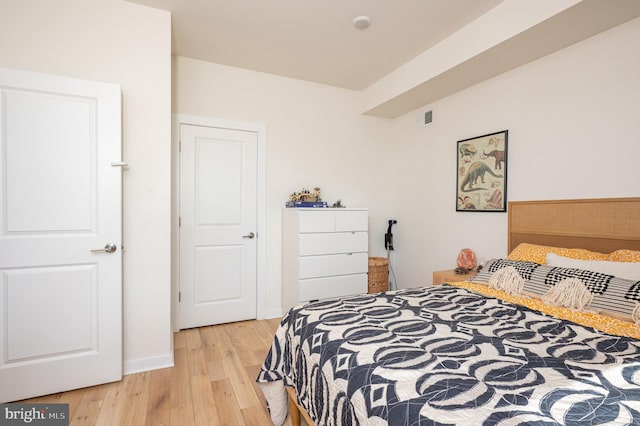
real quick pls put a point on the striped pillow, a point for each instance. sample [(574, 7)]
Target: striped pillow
[(610, 293), (524, 268)]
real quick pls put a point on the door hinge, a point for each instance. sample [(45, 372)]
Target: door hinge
[(179, 146), (179, 296), (179, 221)]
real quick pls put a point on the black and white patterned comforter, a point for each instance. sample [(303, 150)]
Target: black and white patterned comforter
[(446, 356)]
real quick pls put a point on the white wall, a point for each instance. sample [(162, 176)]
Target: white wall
[(315, 137), (572, 118), (130, 45), (574, 132)]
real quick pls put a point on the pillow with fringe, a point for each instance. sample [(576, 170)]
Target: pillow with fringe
[(610, 293), (507, 279), (614, 295), (569, 293), (524, 269)]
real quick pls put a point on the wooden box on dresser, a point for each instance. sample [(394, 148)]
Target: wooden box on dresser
[(324, 253)]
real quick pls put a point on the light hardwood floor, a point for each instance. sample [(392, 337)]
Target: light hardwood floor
[(212, 383)]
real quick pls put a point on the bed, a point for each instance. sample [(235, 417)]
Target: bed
[(477, 354)]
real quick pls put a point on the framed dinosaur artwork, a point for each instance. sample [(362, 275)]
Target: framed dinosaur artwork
[(481, 177)]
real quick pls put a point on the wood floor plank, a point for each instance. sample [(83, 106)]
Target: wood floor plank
[(136, 388), (181, 400), (111, 410), (90, 406), (252, 372), (242, 384), (212, 383), (221, 335), (228, 409), (256, 416), (192, 337), (197, 362), (159, 402), (213, 354), (179, 340), (266, 329), (73, 398), (243, 338), (204, 404), (207, 336)]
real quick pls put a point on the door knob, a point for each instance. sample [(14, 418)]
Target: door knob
[(108, 248), (249, 235)]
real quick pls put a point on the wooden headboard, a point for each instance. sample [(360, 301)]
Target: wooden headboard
[(603, 224)]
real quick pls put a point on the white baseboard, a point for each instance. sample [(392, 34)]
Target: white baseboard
[(148, 364), (273, 313)]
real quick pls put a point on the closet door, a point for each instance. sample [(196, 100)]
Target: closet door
[(218, 225)]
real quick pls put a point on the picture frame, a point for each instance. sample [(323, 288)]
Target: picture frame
[(481, 175)]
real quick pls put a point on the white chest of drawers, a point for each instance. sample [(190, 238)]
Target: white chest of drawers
[(324, 253)]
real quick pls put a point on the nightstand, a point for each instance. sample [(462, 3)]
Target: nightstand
[(440, 277)]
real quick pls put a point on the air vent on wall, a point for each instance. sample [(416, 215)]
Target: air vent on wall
[(424, 118), (428, 118)]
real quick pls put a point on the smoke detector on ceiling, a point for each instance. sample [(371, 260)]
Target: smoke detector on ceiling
[(362, 22)]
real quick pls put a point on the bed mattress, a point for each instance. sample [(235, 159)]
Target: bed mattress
[(444, 355)]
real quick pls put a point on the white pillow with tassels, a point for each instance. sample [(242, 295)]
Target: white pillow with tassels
[(569, 293), (508, 280)]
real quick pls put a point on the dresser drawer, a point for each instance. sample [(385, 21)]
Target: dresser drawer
[(334, 220), (317, 221), (348, 220), (322, 288), (333, 264), (331, 243)]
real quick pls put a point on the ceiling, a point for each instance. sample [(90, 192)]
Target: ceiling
[(315, 40), (414, 53)]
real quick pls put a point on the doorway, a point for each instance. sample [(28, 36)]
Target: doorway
[(219, 232)]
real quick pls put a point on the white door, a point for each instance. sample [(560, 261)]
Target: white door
[(218, 216), (60, 199)]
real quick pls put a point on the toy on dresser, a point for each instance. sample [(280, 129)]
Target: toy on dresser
[(306, 198)]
